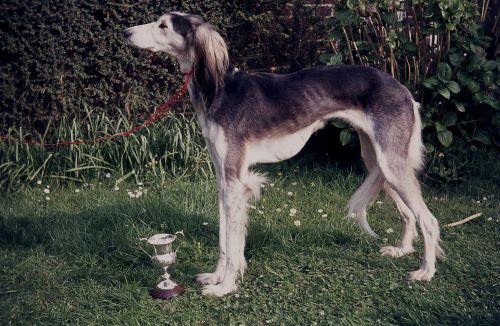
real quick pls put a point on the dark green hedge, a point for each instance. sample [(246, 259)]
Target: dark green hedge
[(61, 58)]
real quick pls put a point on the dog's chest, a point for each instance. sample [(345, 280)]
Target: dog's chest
[(276, 149)]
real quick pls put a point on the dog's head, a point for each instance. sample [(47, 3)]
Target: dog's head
[(188, 38)]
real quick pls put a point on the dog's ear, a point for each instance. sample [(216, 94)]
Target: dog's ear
[(195, 20), (212, 59)]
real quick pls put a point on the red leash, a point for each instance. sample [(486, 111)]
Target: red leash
[(159, 112)]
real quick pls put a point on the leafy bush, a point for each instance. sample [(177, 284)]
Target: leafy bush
[(62, 58), (440, 51)]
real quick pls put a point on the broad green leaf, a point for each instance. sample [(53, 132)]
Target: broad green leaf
[(439, 126), (482, 136), (337, 59), (345, 137), (475, 61), (445, 137), (339, 124), (336, 35), (431, 82), (473, 86), (464, 78), (496, 119), (444, 71), (492, 102), (455, 58), (444, 92), (490, 65), (429, 148), (325, 57), (476, 49), (489, 78), (453, 87), (460, 106), (450, 118)]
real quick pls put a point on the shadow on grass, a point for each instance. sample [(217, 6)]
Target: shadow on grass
[(112, 233)]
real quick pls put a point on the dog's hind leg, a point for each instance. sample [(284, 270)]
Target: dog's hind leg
[(368, 191), (408, 223), (398, 156), (373, 183)]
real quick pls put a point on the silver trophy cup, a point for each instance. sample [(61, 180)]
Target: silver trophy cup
[(165, 257)]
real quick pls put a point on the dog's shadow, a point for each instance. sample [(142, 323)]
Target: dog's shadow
[(110, 235)]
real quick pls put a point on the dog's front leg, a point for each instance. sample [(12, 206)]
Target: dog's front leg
[(216, 277), (235, 200)]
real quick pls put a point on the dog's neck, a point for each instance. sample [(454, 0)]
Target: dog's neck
[(203, 90)]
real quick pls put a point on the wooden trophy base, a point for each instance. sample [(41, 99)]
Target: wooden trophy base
[(159, 293)]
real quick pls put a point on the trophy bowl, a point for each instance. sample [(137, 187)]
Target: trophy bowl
[(165, 257)]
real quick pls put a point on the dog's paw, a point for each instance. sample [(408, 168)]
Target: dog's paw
[(423, 274), (396, 251), (218, 290), (209, 278)]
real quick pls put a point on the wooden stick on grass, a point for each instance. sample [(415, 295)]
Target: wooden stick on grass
[(465, 220)]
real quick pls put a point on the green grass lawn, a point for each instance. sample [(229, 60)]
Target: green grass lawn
[(76, 259)]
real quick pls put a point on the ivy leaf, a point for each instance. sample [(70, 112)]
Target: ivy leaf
[(444, 92), (345, 137), (444, 71), (445, 137)]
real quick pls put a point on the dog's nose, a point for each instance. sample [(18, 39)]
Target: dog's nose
[(127, 32)]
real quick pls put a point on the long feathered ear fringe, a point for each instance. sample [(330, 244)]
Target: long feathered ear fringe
[(212, 60)]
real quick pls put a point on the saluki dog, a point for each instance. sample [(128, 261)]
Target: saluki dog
[(261, 118)]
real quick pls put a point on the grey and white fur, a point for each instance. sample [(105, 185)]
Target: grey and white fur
[(263, 118)]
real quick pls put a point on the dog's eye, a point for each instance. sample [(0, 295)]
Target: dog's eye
[(162, 26)]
